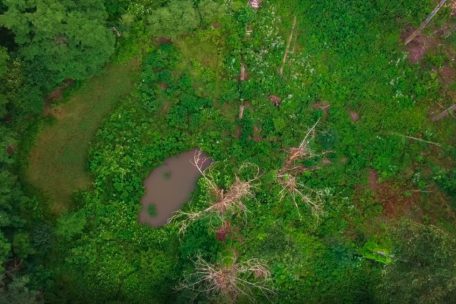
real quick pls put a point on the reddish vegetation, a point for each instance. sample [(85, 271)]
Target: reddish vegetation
[(163, 40), (238, 132), (373, 180), (391, 196), (257, 134), (163, 85), (326, 161), (10, 150), (354, 116), (447, 74), (223, 231), (322, 106), (276, 100), (393, 200), (419, 46), (255, 3), (57, 93), (244, 75)]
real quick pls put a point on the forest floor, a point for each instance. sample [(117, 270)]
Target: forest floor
[(57, 162)]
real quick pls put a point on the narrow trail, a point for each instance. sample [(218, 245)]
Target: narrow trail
[(58, 160)]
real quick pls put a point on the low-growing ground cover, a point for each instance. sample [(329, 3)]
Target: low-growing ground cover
[(57, 166)]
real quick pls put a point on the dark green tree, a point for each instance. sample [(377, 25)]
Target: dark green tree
[(3, 68), (179, 17), (60, 39), (424, 270)]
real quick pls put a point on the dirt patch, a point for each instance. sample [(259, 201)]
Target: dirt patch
[(391, 196), (163, 40), (243, 74), (447, 75), (276, 100), (393, 200), (419, 46), (372, 180), (56, 95), (354, 116), (168, 187), (58, 92)]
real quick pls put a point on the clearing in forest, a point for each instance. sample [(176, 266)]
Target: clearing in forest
[(57, 161)]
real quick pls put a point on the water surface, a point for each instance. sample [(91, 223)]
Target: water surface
[(168, 187)]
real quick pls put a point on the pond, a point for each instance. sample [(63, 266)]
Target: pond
[(168, 187)]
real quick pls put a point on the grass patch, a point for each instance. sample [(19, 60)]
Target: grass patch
[(58, 160)]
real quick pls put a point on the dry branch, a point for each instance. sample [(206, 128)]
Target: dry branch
[(226, 203), (287, 50), (287, 177), (229, 281), (425, 22), (418, 139), (445, 113)]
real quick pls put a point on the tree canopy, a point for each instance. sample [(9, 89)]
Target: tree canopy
[(62, 39)]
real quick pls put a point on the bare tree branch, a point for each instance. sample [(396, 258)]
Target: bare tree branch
[(425, 22)]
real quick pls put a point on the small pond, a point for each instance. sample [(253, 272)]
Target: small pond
[(168, 187)]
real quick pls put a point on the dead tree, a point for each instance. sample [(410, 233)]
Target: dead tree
[(255, 4), (228, 280), (444, 113), (425, 22), (288, 180), (226, 202)]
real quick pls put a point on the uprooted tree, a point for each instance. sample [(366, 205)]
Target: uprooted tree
[(229, 280), (225, 203), (287, 177)]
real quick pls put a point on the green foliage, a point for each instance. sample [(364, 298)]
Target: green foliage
[(71, 225), (424, 266), (60, 40), (17, 292), (22, 246), (4, 57), (152, 210), (179, 17), (211, 10), (345, 55)]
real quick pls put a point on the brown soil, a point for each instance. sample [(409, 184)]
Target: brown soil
[(419, 46), (393, 200), (372, 180), (391, 196), (447, 75)]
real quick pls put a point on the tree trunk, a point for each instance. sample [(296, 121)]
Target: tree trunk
[(425, 22)]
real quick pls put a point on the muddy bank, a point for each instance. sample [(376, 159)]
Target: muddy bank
[(168, 187)]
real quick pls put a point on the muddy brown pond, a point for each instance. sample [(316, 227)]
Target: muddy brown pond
[(168, 187)]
